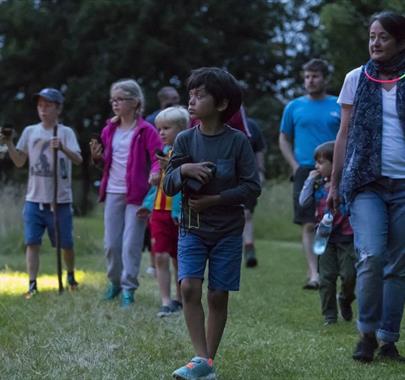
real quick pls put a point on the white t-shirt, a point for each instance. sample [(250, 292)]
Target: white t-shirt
[(120, 150), (35, 141), (393, 139)]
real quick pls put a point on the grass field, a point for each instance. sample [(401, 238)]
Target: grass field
[(274, 331)]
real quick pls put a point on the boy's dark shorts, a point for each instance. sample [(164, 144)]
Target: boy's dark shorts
[(307, 214), (39, 217)]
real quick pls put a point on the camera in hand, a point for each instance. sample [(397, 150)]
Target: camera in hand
[(7, 130), (193, 185)]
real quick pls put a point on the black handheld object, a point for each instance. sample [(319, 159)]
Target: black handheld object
[(55, 214), (159, 153), (7, 130), (193, 185), (97, 137)]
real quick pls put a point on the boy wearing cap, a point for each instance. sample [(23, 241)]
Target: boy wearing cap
[(37, 143)]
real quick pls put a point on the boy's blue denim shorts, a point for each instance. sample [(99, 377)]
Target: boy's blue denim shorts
[(38, 217), (224, 260)]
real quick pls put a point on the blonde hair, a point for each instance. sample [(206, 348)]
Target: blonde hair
[(132, 89), (176, 114)]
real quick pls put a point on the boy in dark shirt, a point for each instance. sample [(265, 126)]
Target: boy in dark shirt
[(218, 160)]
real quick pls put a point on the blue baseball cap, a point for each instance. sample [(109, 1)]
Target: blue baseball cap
[(50, 94)]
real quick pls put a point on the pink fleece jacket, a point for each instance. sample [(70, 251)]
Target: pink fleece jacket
[(141, 159)]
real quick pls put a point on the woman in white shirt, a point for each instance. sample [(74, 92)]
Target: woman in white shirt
[(369, 165)]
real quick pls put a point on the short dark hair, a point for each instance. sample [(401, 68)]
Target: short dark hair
[(325, 151), (392, 22), (317, 64), (221, 85)]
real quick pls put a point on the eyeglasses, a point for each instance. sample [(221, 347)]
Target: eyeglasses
[(119, 100)]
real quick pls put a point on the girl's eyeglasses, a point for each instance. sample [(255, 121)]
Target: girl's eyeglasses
[(119, 100)]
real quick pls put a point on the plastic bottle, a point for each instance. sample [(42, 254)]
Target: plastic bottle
[(322, 234)]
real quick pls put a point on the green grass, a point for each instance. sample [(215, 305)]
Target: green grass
[(274, 330)]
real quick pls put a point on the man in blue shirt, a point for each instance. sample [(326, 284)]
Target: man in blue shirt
[(307, 122)]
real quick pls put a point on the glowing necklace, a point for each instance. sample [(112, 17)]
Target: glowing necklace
[(395, 80)]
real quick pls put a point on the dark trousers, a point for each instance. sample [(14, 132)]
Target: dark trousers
[(337, 261)]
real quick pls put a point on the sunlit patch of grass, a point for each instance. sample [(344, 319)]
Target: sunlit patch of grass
[(16, 283)]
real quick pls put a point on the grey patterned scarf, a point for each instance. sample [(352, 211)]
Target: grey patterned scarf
[(363, 155)]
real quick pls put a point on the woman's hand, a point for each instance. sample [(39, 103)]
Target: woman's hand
[(333, 199)]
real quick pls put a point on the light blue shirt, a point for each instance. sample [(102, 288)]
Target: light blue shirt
[(310, 123)]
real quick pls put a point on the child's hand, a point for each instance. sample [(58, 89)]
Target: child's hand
[(96, 150), (200, 171), (163, 161), (314, 173), (55, 143), (175, 221), (142, 213), (202, 202), (154, 179)]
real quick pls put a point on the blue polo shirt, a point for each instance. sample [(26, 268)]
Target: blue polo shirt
[(310, 123)]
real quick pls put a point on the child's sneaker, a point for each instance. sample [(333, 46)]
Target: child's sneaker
[(164, 311), (111, 292), (72, 283), (176, 306), (31, 293), (127, 298), (32, 290), (198, 369)]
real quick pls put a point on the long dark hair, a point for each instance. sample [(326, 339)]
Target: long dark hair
[(392, 22)]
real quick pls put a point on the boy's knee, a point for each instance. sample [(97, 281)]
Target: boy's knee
[(190, 290), (217, 299)]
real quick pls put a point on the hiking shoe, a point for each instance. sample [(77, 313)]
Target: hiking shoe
[(127, 298), (164, 311), (72, 283), (198, 369), (329, 322), (111, 292), (389, 351), (31, 293), (176, 306), (365, 348), (250, 257), (345, 309), (151, 271), (311, 285)]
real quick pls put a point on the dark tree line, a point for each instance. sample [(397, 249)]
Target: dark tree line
[(82, 46)]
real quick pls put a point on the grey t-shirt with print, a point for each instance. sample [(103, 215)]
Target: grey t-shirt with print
[(35, 142), (236, 180)]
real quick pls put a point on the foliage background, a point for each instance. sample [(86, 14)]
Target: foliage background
[(82, 46)]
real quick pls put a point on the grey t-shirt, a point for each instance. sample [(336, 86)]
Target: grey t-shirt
[(236, 180), (35, 141)]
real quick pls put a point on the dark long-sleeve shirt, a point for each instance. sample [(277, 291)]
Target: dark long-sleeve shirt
[(236, 180)]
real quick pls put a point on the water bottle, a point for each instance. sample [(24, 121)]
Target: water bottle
[(322, 234)]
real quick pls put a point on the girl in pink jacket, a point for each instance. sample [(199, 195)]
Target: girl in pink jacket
[(128, 153)]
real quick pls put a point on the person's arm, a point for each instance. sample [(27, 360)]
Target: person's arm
[(339, 156), (249, 183), (306, 197), (153, 144), (18, 156), (75, 157), (287, 151)]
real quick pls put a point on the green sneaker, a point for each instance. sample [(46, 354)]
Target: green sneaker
[(111, 292), (127, 298), (198, 369)]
